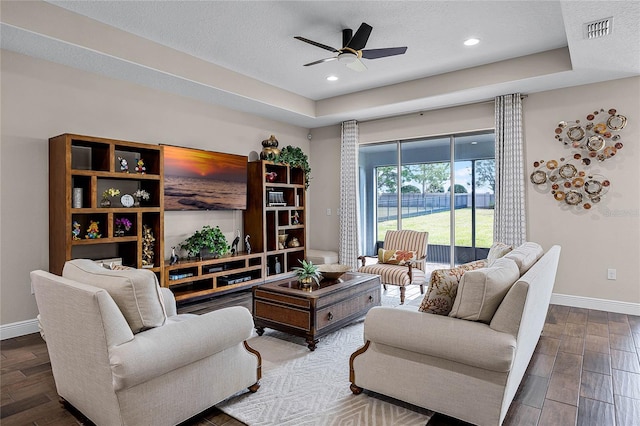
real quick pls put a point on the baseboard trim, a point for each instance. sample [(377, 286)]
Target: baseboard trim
[(22, 328), (597, 304), (17, 329)]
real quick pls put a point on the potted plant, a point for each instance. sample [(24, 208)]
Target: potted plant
[(294, 157), (307, 273), (207, 238), (108, 193)]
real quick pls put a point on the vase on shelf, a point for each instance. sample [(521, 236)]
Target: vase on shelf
[(136, 201), (105, 202), (119, 231)]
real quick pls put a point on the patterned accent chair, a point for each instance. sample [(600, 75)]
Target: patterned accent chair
[(413, 272)]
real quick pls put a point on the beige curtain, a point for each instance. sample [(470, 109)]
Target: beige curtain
[(348, 249), (510, 221)]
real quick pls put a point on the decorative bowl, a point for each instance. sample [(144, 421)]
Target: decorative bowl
[(333, 271)]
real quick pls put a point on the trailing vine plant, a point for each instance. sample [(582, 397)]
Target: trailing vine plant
[(294, 157)]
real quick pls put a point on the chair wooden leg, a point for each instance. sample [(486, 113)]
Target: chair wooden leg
[(384, 286), (421, 288), (402, 289)]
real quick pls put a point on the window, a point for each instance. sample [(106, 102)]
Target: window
[(432, 175)]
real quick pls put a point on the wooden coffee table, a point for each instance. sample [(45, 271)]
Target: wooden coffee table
[(283, 305)]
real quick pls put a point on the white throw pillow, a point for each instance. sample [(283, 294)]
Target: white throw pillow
[(525, 255), (496, 251), (135, 291), (481, 291)]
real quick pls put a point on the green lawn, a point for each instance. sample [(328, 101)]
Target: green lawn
[(437, 224)]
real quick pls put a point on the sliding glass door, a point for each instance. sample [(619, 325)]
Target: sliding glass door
[(442, 185)]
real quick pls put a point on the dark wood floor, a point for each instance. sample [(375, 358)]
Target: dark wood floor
[(585, 371)]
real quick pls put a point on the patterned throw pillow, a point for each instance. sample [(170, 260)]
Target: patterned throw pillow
[(496, 251), (396, 257), (443, 288)]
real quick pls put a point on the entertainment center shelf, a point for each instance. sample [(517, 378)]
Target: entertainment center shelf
[(275, 215), (86, 216), (193, 279), (81, 169)]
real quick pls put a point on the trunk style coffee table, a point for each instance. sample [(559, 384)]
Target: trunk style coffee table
[(284, 305)]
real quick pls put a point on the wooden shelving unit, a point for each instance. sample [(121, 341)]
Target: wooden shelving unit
[(91, 164), (196, 279), (271, 207)]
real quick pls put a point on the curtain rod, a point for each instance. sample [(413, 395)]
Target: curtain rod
[(486, 101)]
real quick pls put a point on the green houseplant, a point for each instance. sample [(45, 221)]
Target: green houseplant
[(307, 273), (294, 157), (207, 238)]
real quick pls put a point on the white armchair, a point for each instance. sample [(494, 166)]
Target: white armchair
[(159, 376)]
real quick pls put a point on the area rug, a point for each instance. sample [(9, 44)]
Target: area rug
[(300, 387)]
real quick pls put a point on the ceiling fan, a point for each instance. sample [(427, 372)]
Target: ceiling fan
[(352, 52)]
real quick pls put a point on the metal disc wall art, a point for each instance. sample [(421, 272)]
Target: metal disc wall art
[(569, 184), (597, 137)]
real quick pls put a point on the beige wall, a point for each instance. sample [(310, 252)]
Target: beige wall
[(608, 236), (41, 99)]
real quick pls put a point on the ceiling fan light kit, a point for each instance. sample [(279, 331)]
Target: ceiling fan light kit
[(352, 52)]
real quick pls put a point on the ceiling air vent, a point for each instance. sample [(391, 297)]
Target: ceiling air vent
[(599, 28)]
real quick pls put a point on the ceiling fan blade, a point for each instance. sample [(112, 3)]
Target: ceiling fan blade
[(357, 65), (382, 53), (315, 43), (359, 39), (321, 61)]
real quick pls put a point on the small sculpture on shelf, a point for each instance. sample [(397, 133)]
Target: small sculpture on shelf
[(124, 165), (147, 247), (174, 257), (75, 232), (293, 242), (247, 246), (269, 148), (295, 219), (140, 167), (93, 232), (234, 244)]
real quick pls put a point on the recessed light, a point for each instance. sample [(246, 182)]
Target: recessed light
[(474, 143), (332, 78), (471, 42)]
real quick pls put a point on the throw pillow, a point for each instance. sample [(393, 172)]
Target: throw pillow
[(481, 291), (135, 291), (443, 288), (496, 251), (396, 257), (526, 255)]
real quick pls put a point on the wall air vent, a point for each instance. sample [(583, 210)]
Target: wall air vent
[(599, 28)]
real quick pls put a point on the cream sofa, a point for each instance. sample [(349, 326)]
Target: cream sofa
[(121, 355), (466, 369)]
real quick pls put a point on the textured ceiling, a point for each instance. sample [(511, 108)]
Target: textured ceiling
[(255, 41)]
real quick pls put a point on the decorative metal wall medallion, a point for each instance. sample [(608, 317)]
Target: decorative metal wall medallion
[(597, 138)]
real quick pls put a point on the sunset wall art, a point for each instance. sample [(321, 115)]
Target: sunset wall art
[(195, 179)]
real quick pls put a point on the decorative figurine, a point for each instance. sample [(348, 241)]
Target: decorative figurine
[(93, 232), (75, 232), (270, 176), (147, 246), (295, 219), (269, 148), (276, 266), (140, 168), (293, 242), (234, 244), (174, 257), (247, 246), (124, 165)]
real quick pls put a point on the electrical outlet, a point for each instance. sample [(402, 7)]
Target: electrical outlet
[(328, 212), (611, 274)]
